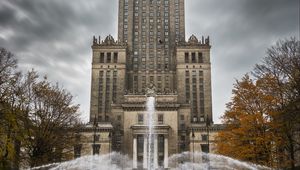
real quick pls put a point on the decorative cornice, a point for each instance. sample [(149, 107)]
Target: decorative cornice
[(108, 42), (158, 106), (193, 41), (101, 127), (157, 129), (200, 128)]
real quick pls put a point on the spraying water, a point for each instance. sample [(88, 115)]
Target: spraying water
[(182, 161), (209, 161), (150, 113)]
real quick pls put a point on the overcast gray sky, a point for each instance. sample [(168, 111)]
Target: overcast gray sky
[(54, 37)]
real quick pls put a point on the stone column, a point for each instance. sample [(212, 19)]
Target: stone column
[(145, 160), (134, 159), (155, 152), (166, 152)]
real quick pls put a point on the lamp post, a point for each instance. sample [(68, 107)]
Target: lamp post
[(207, 131), (193, 139), (109, 145), (109, 140), (95, 125)]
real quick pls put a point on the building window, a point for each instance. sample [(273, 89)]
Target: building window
[(200, 80), (200, 57), (96, 149), (115, 73), (96, 138), (135, 82), (182, 126), (106, 118), (100, 93), (77, 137), (201, 94), (204, 137), (182, 138), (187, 73), (166, 66), (205, 148), (160, 118), (160, 141), (101, 57), (115, 57), (151, 79), (187, 90), (193, 58), (194, 82), (107, 94), (144, 81), (114, 96), (200, 73), (202, 106), (77, 150), (140, 144), (186, 57), (181, 117), (108, 58), (158, 78), (140, 118)]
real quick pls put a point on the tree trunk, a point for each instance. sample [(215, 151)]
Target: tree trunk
[(292, 154)]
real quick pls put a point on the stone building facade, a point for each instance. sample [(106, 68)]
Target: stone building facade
[(151, 49)]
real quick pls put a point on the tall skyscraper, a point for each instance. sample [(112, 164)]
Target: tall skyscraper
[(151, 30), (151, 50), (152, 41)]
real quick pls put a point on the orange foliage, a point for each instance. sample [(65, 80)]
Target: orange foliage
[(250, 133)]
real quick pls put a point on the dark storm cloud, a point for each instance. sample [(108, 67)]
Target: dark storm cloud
[(54, 37)]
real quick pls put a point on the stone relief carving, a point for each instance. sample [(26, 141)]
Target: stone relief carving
[(151, 90)]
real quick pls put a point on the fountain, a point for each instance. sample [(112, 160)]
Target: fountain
[(150, 105), (181, 161)]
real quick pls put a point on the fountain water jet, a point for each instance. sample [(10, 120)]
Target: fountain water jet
[(151, 162), (150, 108)]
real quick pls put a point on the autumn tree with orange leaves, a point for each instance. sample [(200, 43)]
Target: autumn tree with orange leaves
[(262, 120)]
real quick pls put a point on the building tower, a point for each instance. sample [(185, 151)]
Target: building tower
[(151, 49), (151, 29), (155, 52)]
